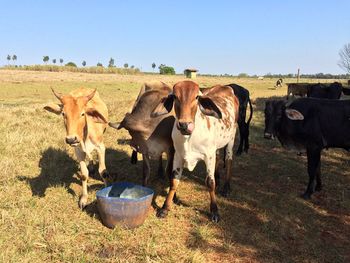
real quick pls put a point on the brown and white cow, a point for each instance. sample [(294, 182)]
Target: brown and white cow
[(204, 123), (150, 136), (85, 117)]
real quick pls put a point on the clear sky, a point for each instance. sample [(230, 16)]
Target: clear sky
[(251, 36)]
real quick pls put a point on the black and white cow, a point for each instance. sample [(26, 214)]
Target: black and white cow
[(311, 124)]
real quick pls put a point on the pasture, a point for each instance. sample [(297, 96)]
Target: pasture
[(262, 220)]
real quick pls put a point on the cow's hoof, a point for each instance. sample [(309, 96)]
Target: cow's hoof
[(215, 217), (306, 196), (318, 188), (162, 213), (83, 202)]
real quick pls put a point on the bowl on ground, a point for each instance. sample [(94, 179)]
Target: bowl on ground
[(124, 203)]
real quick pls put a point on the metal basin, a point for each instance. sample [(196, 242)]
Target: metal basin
[(125, 204)]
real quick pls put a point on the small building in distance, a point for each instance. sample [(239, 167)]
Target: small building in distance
[(191, 73)]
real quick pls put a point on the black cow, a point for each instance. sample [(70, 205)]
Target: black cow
[(279, 83), (243, 96), (325, 91), (311, 124)]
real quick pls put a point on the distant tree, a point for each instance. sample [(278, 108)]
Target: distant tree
[(61, 61), (243, 75), (54, 61), (166, 70), (132, 67), (46, 59), (153, 65), (84, 63), (126, 65), (99, 64), (8, 59), (344, 61), (111, 63), (71, 64), (14, 58)]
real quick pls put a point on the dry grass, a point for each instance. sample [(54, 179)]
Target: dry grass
[(263, 220)]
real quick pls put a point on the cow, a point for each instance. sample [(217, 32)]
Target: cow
[(325, 91), (204, 123), (243, 96), (150, 136), (279, 83), (85, 118), (311, 124), (297, 89)]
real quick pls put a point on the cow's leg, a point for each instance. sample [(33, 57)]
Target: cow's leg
[(101, 152), (217, 174), (146, 169), (84, 176), (210, 182), (169, 170), (313, 162), (246, 137), (160, 167), (174, 182), (318, 178), (228, 173), (241, 137)]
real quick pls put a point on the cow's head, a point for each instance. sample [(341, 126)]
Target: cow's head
[(273, 115), (275, 110), (187, 98), (75, 113)]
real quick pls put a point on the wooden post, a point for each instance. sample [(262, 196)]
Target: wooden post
[(298, 76)]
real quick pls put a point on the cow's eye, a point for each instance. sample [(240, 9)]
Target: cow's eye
[(63, 114), (83, 114), (197, 97)]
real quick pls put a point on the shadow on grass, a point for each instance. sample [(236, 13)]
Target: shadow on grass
[(57, 168)]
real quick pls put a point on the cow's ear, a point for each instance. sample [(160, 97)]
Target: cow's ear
[(95, 115), (294, 115), (164, 107), (208, 107), (54, 108)]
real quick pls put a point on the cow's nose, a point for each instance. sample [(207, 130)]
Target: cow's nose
[(268, 136), (183, 125), (72, 140), (186, 127)]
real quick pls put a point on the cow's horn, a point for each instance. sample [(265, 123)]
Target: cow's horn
[(91, 95), (58, 95)]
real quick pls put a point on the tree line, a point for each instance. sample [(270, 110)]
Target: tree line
[(344, 63)]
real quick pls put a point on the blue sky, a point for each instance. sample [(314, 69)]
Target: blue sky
[(255, 37)]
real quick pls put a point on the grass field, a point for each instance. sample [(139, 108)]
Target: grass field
[(263, 219)]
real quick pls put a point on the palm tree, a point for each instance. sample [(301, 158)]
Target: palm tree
[(8, 59), (54, 61), (126, 65), (61, 61), (84, 63), (14, 58), (153, 65), (46, 59)]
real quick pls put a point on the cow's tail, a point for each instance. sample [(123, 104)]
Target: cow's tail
[(251, 111)]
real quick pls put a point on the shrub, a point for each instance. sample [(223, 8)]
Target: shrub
[(166, 70), (71, 64)]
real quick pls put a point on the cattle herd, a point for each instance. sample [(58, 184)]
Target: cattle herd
[(189, 124)]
